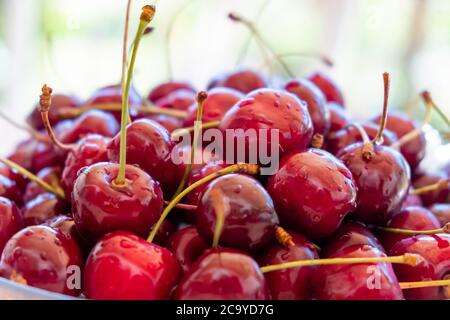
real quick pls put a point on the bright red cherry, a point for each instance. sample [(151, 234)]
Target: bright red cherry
[(295, 283), (51, 175), (442, 212), (223, 275), (412, 200), (43, 257), (20, 181), (123, 266), (244, 81), (328, 87), (339, 117), (180, 99), (66, 225), (9, 190), (168, 122), (99, 207), (10, 221), (166, 88), (439, 195), (42, 208), (313, 192)]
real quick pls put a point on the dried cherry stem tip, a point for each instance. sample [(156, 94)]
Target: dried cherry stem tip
[(441, 184), (426, 96), (408, 258), (444, 229), (283, 237), (386, 84), (317, 141), (239, 167)]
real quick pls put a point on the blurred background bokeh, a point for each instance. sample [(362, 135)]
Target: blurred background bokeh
[(75, 46)]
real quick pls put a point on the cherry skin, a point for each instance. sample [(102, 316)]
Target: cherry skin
[(51, 175), (168, 122), (409, 218), (339, 117), (89, 150), (223, 274), (351, 282), (442, 212), (315, 101), (149, 146), (244, 81), (436, 196), (166, 88), (9, 190), (123, 266), (412, 200), (328, 87), (99, 207), (436, 266), (42, 208), (180, 99), (187, 245), (249, 215), (295, 283), (42, 256), (10, 221), (313, 192), (20, 181), (164, 233), (382, 182)]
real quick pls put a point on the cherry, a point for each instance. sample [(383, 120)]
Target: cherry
[(244, 80), (290, 284), (351, 282), (412, 200), (180, 99), (442, 212), (241, 208), (433, 196), (339, 117), (51, 175), (9, 189), (42, 256), (165, 232), (123, 266), (223, 275), (42, 208), (313, 192), (315, 101), (12, 174), (10, 221), (409, 218), (167, 88), (328, 87), (168, 122), (187, 245), (436, 265)]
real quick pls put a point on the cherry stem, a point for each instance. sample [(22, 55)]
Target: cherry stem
[(33, 133), (147, 15), (323, 58), (182, 131), (317, 141), (441, 184), (444, 229), (220, 207), (30, 176), (427, 97), (182, 206), (424, 284), (283, 237), (379, 136), (44, 108), (125, 43), (239, 167), (201, 97), (408, 258), (367, 149)]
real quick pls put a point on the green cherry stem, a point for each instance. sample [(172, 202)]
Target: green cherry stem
[(444, 229)]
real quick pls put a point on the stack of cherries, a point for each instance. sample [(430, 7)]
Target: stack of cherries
[(93, 205)]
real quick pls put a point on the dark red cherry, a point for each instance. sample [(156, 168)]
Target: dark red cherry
[(180, 99), (164, 233), (89, 150), (345, 137), (313, 192), (50, 175), (401, 124), (382, 182), (328, 87), (42, 208), (168, 122), (436, 265), (249, 215), (223, 275), (45, 258), (409, 218), (365, 281), (295, 283), (349, 234), (315, 101), (244, 81), (123, 266), (9, 190), (149, 146), (339, 117), (166, 88), (20, 180), (442, 212), (436, 196), (59, 102), (99, 207), (10, 221), (412, 200), (66, 225), (187, 245)]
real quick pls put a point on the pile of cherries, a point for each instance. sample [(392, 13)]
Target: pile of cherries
[(90, 192)]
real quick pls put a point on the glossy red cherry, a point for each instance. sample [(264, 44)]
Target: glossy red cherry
[(315, 101), (20, 181), (99, 207), (352, 282), (442, 212), (382, 182), (42, 208), (9, 190), (168, 122), (313, 192), (66, 225), (295, 283), (10, 221), (339, 117), (166, 88), (187, 245), (180, 99), (328, 87), (436, 196), (43, 257), (123, 266), (50, 175), (223, 275), (412, 200), (164, 233), (249, 215), (244, 81), (436, 266)]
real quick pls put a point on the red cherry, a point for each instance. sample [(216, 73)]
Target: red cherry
[(382, 182), (51, 175), (180, 99), (436, 266), (42, 208), (339, 117), (412, 200), (164, 89), (295, 283), (442, 212), (352, 282), (20, 181), (313, 192), (244, 81), (42, 256), (436, 196), (99, 207), (123, 266), (164, 233), (223, 275), (9, 190), (168, 122), (10, 221), (328, 87)]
